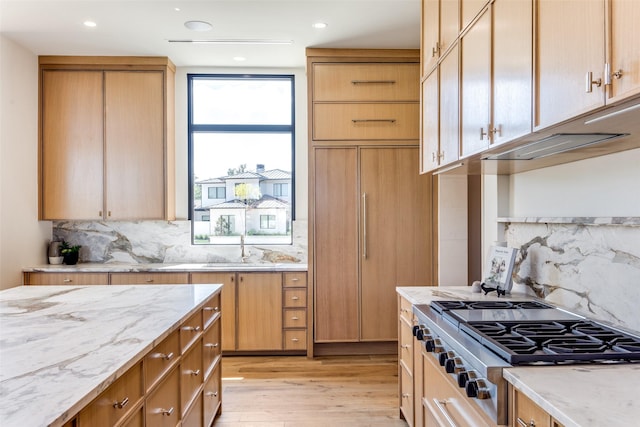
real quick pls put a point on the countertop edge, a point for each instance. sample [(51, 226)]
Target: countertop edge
[(162, 268)]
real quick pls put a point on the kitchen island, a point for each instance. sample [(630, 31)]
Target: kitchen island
[(580, 395), (61, 347)]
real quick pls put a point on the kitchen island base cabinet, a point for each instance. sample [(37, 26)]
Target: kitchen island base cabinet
[(527, 413)]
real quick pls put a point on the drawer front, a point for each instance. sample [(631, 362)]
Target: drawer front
[(406, 311), (66, 279), (366, 121), (295, 280), (191, 374), (211, 396), (406, 396), (136, 420), (163, 406), (406, 346), (190, 331), (194, 416), (161, 359), (211, 309), (149, 278), (116, 401), (211, 347), (294, 318), (295, 298), (366, 82), (295, 339)]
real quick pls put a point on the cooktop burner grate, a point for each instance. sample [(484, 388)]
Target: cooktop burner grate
[(442, 306)]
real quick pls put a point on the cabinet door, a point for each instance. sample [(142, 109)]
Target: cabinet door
[(528, 413), (335, 244), (566, 55), (475, 84), (395, 243), (449, 23), (470, 9), (512, 75), (71, 146), (430, 142), (430, 34), (449, 107), (260, 311), (228, 297), (134, 130), (625, 48)]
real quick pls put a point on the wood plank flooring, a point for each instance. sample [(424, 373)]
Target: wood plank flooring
[(294, 391)]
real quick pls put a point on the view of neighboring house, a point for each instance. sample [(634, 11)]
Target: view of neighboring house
[(247, 203)]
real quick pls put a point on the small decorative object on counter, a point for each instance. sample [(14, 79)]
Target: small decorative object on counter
[(70, 253), (55, 256)]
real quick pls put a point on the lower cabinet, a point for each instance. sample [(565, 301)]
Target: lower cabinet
[(178, 383), (527, 413), (259, 311)]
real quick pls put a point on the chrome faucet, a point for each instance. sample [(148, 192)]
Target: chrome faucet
[(242, 254)]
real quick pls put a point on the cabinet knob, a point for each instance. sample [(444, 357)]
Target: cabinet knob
[(165, 356), (121, 404), (191, 328), (195, 372), (167, 412), (212, 394)]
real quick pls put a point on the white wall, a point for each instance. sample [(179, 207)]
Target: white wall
[(23, 240), (301, 133)]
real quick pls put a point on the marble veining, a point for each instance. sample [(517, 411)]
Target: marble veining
[(149, 242), (60, 346), (592, 270), (629, 221)]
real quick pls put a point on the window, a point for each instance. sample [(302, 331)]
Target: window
[(217, 192), (267, 221), (241, 152)]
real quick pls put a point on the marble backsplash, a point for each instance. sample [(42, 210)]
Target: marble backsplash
[(144, 242), (589, 265)]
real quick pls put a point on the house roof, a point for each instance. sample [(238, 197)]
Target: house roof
[(266, 175)]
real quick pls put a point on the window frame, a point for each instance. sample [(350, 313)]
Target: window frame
[(193, 128)]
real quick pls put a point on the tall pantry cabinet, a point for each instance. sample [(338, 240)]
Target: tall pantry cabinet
[(370, 209)]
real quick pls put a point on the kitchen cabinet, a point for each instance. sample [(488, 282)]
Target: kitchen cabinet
[(440, 28), (569, 60), (259, 308), (228, 301), (106, 138), (527, 413), (65, 278), (370, 208), (469, 9), (406, 363), (148, 278), (624, 45)]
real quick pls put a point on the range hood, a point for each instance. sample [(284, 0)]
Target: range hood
[(554, 144)]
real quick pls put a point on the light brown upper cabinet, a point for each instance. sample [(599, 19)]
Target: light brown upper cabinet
[(496, 76), (440, 29), (624, 50), (106, 138)]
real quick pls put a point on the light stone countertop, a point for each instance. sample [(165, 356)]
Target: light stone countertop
[(575, 395), (163, 268), (60, 346)]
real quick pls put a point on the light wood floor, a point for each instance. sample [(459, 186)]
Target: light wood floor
[(294, 391)]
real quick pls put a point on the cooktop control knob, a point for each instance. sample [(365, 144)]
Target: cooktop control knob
[(453, 365), (433, 345), (471, 388), (422, 334), (483, 390), (463, 377), (444, 357), (415, 329)]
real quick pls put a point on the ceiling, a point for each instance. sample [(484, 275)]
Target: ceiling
[(144, 27)]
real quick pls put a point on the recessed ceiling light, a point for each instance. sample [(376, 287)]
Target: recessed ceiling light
[(320, 25), (90, 24), (177, 9), (198, 25), (239, 58)]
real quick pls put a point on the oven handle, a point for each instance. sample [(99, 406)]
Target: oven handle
[(442, 407)]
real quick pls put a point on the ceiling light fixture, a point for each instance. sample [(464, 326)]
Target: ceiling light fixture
[(320, 25), (90, 24), (232, 41), (198, 25)]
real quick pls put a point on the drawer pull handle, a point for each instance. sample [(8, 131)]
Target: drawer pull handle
[(68, 280), (295, 339), (165, 356), (405, 395), (373, 82), (295, 279), (211, 309), (295, 318), (167, 412), (121, 404), (211, 345), (442, 407), (212, 394), (405, 346), (522, 423), (373, 120), (194, 373), (295, 298), (149, 280), (191, 328)]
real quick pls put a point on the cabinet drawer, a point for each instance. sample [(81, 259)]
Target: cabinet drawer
[(211, 346), (136, 420), (406, 346), (194, 417), (366, 121), (295, 339), (295, 280), (406, 311), (211, 310), (366, 82), (406, 395), (294, 318), (211, 396), (66, 279), (295, 298), (149, 278), (161, 359), (116, 401), (190, 331), (528, 412), (162, 407), (190, 375)]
